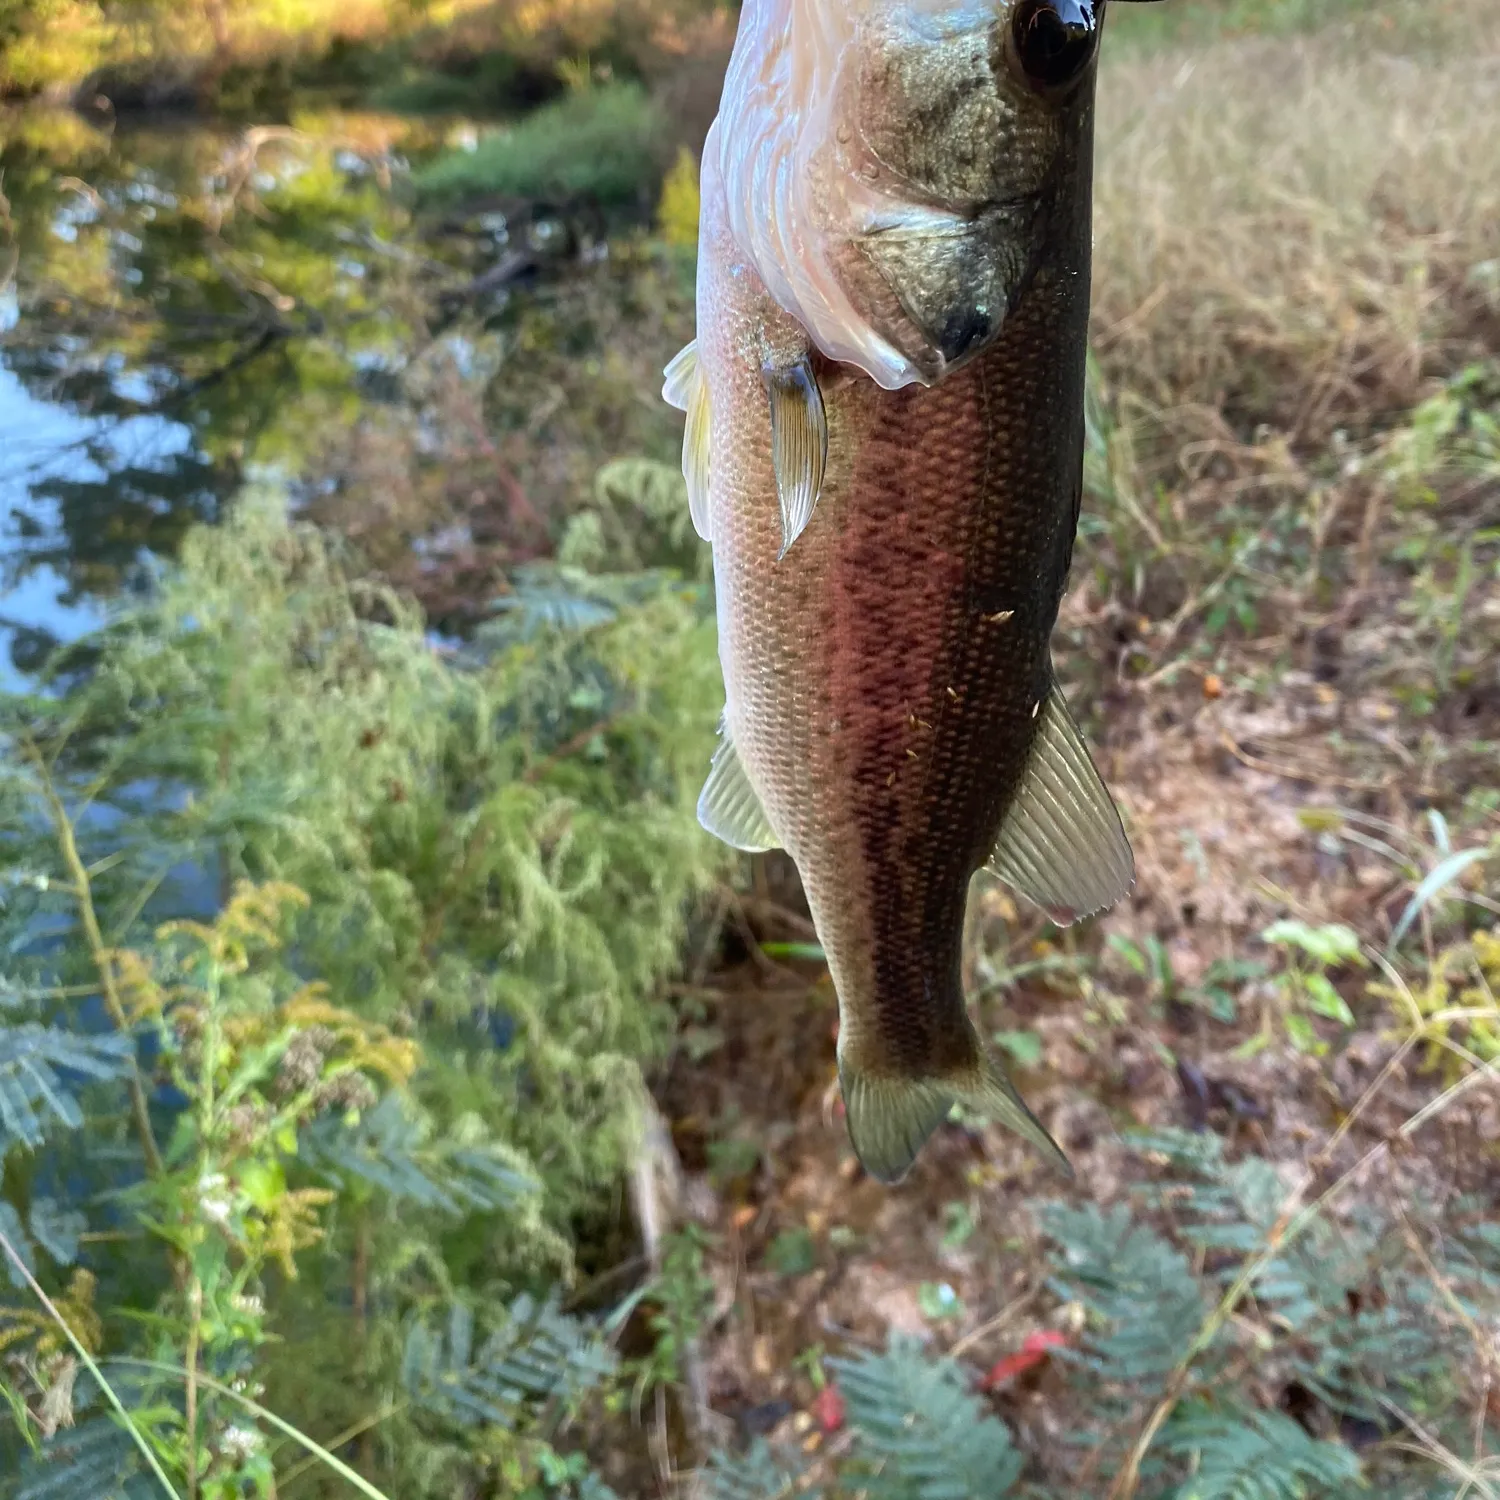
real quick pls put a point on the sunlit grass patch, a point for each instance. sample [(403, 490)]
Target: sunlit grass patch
[(1426, 23), (1289, 230), (599, 145)]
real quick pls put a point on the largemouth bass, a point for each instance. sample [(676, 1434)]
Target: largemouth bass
[(884, 446)]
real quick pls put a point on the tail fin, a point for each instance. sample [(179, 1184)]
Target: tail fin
[(891, 1118)]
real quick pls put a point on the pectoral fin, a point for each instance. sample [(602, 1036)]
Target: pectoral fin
[(1062, 844), (680, 375), (728, 806), (686, 389), (799, 444)]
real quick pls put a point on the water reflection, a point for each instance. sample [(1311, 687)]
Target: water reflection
[(35, 607), (191, 306), (187, 303)]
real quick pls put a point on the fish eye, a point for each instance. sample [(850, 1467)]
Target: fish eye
[(1053, 41)]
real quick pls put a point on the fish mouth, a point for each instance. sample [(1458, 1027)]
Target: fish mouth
[(955, 278)]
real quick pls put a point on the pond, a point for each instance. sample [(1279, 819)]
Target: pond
[(190, 306)]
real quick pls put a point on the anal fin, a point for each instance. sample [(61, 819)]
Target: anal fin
[(728, 806), (799, 444), (686, 389), (1062, 844)]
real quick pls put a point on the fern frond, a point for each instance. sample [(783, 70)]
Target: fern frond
[(1139, 1289), (554, 1355), (657, 490), (387, 1149), (923, 1433), (20, 1242), (1473, 1254), (641, 520), (95, 1459), (56, 1229), (538, 1354), (1403, 1346), (544, 599), (1230, 1206), (32, 1094), (760, 1473), (1238, 1454)]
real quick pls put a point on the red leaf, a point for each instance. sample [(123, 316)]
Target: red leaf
[(1004, 1370), (1043, 1339), (828, 1408), (1034, 1349)]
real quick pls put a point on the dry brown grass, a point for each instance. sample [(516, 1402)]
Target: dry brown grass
[(1288, 229)]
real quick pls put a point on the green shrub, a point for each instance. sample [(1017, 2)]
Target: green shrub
[(375, 1091), (602, 145)]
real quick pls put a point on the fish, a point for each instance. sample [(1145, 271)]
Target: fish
[(884, 448)]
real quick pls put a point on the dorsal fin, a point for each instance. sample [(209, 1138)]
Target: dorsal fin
[(1062, 844), (799, 444), (728, 806)]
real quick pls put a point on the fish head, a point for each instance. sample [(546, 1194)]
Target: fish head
[(975, 120), (897, 170)]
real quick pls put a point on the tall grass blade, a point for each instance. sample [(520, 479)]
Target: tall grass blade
[(87, 1361), (1439, 877), (282, 1426)]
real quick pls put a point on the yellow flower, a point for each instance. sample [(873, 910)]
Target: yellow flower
[(677, 213)]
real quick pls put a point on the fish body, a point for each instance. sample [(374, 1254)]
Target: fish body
[(884, 446)]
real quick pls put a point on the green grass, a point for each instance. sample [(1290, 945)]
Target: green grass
[(604, 145)]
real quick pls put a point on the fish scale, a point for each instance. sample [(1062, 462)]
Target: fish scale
[(889, 562)]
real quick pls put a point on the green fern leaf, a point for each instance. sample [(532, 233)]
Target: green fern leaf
[(56, 1229), (387, 1150), (13, 1230), (760, 1473), (545, 1353), (923, 1434), (546, 599), (1140, 1290), (94, 1459), (1253, 1455), (539, 1354), (31, 1092)]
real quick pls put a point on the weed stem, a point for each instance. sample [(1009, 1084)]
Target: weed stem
[(83, 893)]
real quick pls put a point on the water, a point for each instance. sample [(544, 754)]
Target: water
[(40, 442), (191, 305)]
